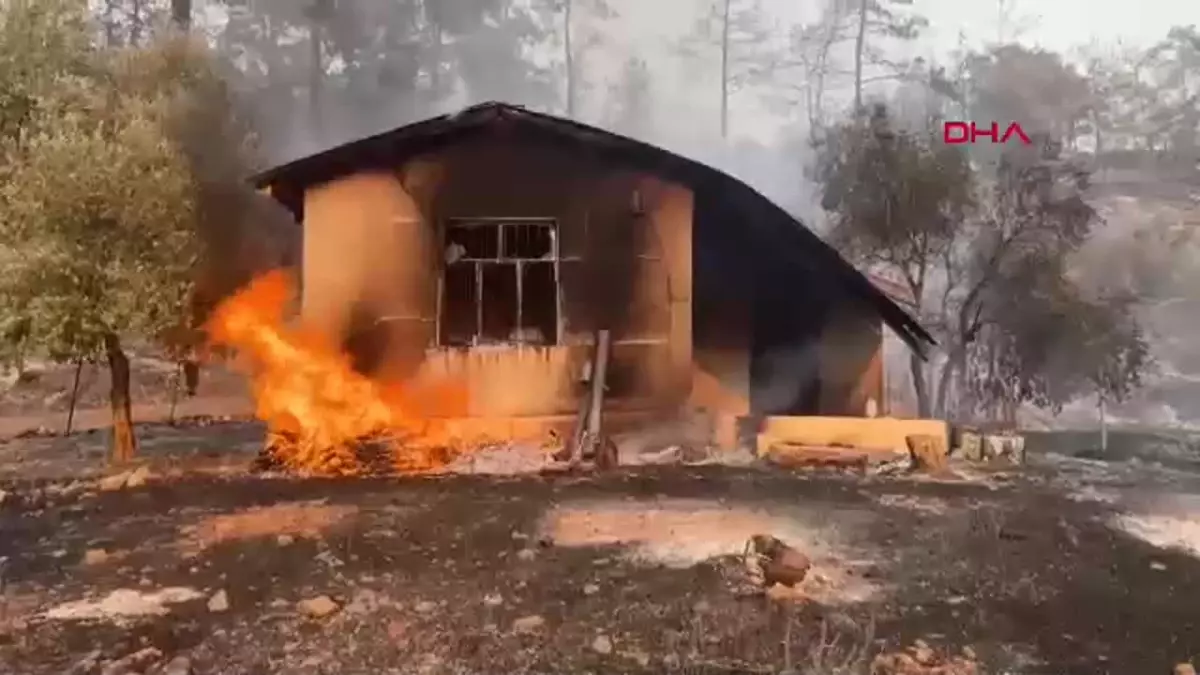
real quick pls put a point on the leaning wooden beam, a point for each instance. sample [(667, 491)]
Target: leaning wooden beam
[(586, 438), (601, 449)]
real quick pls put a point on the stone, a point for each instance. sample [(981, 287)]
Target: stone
[(318, 607), (602, 644), (285, 540), (971, 445), (180, 665), (138, 477), (134, 663), (639, 657), (529, 624), (365, 601), (927, 453), (493, 600), (590, 589), (1184, 669), (87, 664), (922, 652), (777, 562), (526, 554), (114, 482), (426, 606), (1006, 447), (219, 602), (95, 556), (784, 594)]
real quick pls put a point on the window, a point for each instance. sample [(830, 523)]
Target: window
[(500, 283)]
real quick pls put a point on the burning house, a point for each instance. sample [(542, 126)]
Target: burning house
[(491, 249)]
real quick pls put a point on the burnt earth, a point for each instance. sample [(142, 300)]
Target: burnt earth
[(449, 574)]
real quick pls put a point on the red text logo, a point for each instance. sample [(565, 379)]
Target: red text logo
[(956, 133)]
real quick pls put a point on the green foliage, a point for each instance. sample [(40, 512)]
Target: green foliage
[(896, 197), (1048, 343), (985, 255), (98, 204)]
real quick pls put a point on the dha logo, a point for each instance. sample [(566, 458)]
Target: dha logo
[(957, 133)]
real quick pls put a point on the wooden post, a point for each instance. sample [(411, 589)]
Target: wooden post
[(1103, 425), (74, 396), (586, 438), (599, 379), (175, 378)]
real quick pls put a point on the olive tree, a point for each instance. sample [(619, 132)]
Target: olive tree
[(98, 200)]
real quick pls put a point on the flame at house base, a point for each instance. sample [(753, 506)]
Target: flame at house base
[(323, 417)]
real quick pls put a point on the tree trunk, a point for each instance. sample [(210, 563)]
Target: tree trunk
[(725, 70), (569, 57), (954, 361), (74, 396), (191, 376), (316, 75), (109, 19), (1103, 424), (917, 368), (181, 15), (124, 444), (136, 24), (860, 44), (435, 72)]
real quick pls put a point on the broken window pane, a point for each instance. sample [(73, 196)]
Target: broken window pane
[(459, 319), (539, 303), (499, 289), (501, 283), (528, 241), (475, 241)]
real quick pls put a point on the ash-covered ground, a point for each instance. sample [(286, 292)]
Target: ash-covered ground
[(193, 565)]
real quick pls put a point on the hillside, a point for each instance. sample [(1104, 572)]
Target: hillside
[(1150, 244)]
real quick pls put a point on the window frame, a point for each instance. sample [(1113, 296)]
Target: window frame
[(501, 224)]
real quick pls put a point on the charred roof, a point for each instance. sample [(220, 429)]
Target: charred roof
[(806, 252)]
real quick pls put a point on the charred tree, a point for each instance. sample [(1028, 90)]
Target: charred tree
[(124, 443), (181, 15)]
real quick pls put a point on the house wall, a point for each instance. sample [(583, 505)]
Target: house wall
[(367, 280), (685, 328), (851, 363), (372, 252)]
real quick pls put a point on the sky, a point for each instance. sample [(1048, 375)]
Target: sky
[(1059, 25), (686, 101)]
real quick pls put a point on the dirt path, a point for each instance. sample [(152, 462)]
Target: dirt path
[(628, 572), (91, 419)]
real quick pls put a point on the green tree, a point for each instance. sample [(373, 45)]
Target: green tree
[(98, 205), (969, 245), (897, 200), (1048, 343)]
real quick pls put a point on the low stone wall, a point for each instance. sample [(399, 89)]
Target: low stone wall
[(976, 446)]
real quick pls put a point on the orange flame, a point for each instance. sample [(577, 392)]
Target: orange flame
[(308, 393)]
